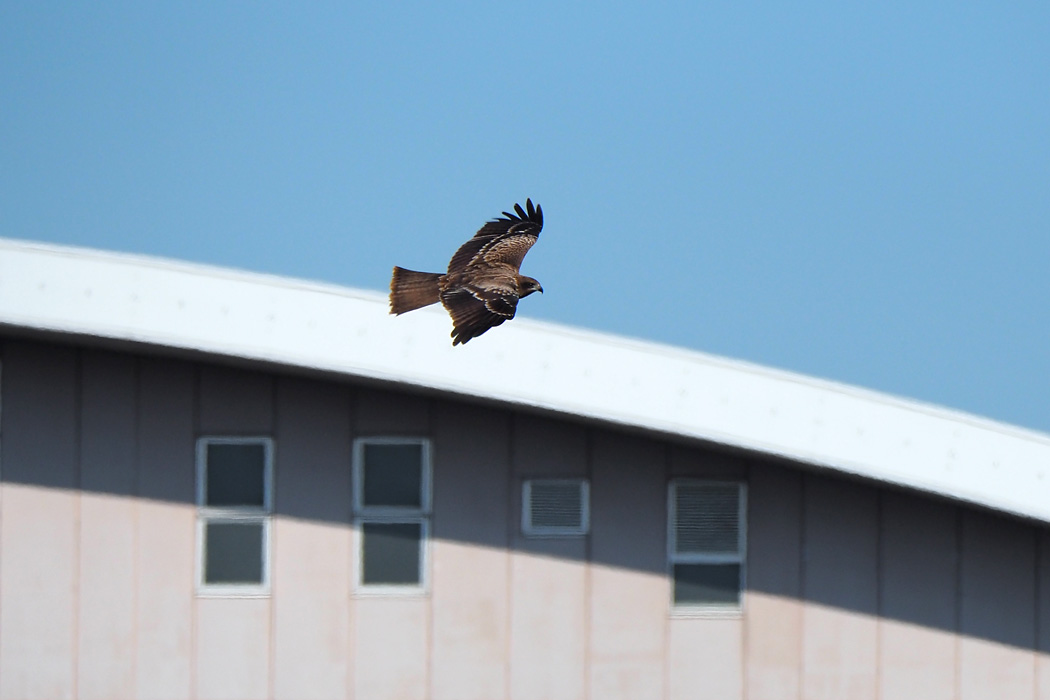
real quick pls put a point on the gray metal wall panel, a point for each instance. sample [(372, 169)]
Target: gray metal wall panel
[(166, 516), (774, 577), (1042, 622), (108, 422), (630, 595), (166, 427), (470, 571), (918, 598), (39, 415), (311, 548), (388, 412), (38, 526), (314, 439), (705, 464), (997, 613), (235, 401), (839, 583), (106, 600)]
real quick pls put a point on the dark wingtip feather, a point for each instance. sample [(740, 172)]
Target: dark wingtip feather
[(531, 212)]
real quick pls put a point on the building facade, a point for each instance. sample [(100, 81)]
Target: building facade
[(179, 519)]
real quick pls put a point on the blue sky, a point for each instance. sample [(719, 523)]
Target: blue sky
[(853, 191)]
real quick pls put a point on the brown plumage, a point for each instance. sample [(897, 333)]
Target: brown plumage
[(482, 286)]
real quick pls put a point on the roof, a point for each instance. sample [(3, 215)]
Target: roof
[(641, 385)]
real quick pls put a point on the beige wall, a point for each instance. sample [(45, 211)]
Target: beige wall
[(853, 591)]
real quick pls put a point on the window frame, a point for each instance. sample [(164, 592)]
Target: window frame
[(392, 515), (233, 514), (541, 531), (739, 558)]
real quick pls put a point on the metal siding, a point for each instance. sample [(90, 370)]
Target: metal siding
[(705, 656), (705, 464), (773, 602), (380, 412), (918, 598), (235, 401), (311, 542), (38, 530), (840, 629), (630, 595), (997, 615), (165, 544), (470, 566), (233, 646), (98, 599), (391, 648), (548, 599), (1042, 622), (106, 629)]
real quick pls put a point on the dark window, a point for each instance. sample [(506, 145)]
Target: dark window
[(236, 475), (391, 483), (391, 553), (707, 584), (392, 476), (234, 552), (234, 509)]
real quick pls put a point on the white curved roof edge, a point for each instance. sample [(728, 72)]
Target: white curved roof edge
[(608, 378)]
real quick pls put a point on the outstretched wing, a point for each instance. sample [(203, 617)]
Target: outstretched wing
[(474, 310), (505, 240)]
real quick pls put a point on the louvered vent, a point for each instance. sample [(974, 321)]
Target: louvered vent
[(707, 518), (555, 507)]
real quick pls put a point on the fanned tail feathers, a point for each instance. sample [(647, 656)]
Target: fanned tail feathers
[(411, 290)]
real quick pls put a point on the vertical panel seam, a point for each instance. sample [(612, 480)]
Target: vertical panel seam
[(194, 600), (78, 485), (803, 493), (351, 626), (588, 589), (667, 576), (957, 622), (880, 520), (3, 363), (1037, 610), (136, 489), (510, 473), (431, 559), (745, 636), (271, 544)]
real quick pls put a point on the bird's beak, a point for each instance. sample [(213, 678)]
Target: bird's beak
[(541, 289)]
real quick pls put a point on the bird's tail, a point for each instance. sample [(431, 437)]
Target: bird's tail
[(413, 290)]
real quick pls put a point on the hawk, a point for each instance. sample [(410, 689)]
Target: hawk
[(482, 286)]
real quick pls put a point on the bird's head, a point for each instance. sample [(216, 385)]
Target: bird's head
[(527, 285)]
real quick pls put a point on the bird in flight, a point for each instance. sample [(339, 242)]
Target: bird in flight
[(482, 286)]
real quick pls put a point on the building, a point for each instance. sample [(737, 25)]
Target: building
[(224, 485)]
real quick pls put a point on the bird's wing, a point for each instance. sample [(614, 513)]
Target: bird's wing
[(504, 240), (476, 309)]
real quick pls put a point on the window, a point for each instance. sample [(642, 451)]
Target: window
[(392, 502), (555, 507), (235, 502), (706, 543)]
